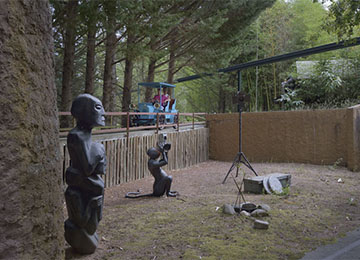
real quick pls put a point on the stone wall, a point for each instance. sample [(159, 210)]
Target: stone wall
[(309, 136)]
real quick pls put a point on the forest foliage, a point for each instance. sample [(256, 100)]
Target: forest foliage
[(106, 47)]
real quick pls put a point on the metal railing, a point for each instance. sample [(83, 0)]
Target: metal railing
[(113, 127)]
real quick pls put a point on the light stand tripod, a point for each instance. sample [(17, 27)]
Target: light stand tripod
[(240, 157)]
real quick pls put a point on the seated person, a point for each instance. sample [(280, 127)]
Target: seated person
[(165, 98), (156, 98)]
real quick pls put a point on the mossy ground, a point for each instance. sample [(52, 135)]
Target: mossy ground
[(316, 210)]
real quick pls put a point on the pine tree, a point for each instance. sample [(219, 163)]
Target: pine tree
[(31, 215), (69, 55)]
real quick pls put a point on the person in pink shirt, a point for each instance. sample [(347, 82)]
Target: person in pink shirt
[(164, 98), (156, 98)]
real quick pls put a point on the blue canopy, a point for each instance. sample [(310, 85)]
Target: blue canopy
[(156, 85)]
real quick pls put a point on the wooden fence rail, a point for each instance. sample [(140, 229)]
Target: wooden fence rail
[(196, 119), (127, 158)]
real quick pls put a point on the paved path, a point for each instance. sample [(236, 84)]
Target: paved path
[(346, 248)]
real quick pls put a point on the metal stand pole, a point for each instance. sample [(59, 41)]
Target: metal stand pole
[(240, 156)]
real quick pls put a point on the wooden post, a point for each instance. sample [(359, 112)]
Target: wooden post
[(127, 125), (157, 123), (178, 121), (193, 121)]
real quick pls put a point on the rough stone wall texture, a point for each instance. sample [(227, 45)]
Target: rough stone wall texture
[(314, 136), (31, 219)]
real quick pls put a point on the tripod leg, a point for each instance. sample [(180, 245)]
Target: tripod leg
[(235, 162), (231, 168), (247, 163)]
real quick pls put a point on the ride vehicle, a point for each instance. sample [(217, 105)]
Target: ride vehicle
[(155, 107)]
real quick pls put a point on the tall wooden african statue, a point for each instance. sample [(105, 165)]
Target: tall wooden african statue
[(85, 192)]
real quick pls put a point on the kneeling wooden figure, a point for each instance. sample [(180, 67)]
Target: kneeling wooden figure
[(162, 183)]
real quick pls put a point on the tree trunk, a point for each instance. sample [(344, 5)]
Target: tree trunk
[(221, 101), (170, 77), (90, 57), (69, 56), (112, 104), (171, 70), (151, 69), (108, 90), (126, 100), (31, 215), (128, 73), (150, 78)]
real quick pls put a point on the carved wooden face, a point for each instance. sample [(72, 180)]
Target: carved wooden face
[(98, 113), (88, 111)]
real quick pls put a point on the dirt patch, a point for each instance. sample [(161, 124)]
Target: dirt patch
[(317, 210)]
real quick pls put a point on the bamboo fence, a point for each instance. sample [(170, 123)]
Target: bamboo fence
[(127, 158)]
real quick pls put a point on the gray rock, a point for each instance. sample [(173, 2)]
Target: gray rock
[(248, 206), (259, 213), (265, 207), (228, 209), (245, 213), (260, 224)]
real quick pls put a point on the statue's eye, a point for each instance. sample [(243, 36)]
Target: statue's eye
[(98, 107)]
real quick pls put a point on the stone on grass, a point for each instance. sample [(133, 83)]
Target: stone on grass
[(259, 213), (265, 207), (260, 224), (245, 213), (228, 209), (248, 206)]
